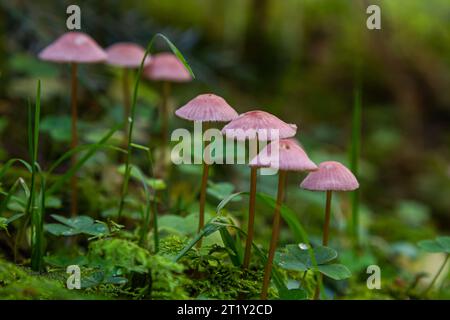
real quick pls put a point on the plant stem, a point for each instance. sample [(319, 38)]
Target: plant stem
[(204, 184), (275, 234), (126, 99), (326, 231), (74, 142), (34, 213), (436, 276), (251, 217), (326, 226)]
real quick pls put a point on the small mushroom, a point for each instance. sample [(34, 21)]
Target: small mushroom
[(249, 126), (126, 56), (331, 176), (166, 68), (291, 157), (206, 108), (73, 48)]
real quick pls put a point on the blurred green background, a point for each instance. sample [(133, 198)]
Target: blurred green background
[(294, 58)]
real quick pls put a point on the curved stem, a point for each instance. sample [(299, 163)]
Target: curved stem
[(251, 217), (275, 234), (74, 142), (326, 231), (436, 276)]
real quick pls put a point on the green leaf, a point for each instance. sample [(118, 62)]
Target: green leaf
[(177, 53), (77, 225), (335, 271), (293, 294), (14, 217), (440, 244), (297, 258), (60, 230), (233, 247), (444, 242), (208, 229)]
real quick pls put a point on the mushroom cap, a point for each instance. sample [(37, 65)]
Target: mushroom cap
[(249, 123), (291, 157), (126, 54), (166, 67), (331, 176), (75, 47), (207, 107)]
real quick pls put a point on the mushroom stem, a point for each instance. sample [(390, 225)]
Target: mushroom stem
[(201, 217), (275, 234), (126, 100), (251, 217), (326, 226), (74, 141), (326, 231)]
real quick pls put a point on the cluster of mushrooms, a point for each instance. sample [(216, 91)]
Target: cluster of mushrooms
[(328, 176)]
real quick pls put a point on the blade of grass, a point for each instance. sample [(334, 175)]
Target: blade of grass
[(133, 111), (32, 211)]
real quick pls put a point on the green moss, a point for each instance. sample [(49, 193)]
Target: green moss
[(18, 283), (149, 276)]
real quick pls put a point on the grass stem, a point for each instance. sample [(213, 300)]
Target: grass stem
[(430, 286)]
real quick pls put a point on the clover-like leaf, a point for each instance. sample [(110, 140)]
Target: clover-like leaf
[(77, 225), (335, 271), (440, 244), (297, 257)]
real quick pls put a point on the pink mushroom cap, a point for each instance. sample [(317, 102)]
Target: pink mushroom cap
[(126, 54), (166, 67), (207, 107), (291, 157), (73, 47), (331, 176), (260, 123)]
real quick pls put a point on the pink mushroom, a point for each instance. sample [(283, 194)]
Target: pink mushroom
[(291, 157), (126, 56), (73, 48), (206, 108), (331, 176), (258, 125)]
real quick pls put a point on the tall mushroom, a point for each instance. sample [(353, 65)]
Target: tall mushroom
[(166, 68), (290, 157), (206, 108), (127, 56), (331, 176), (259, 126), (73, 48)]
